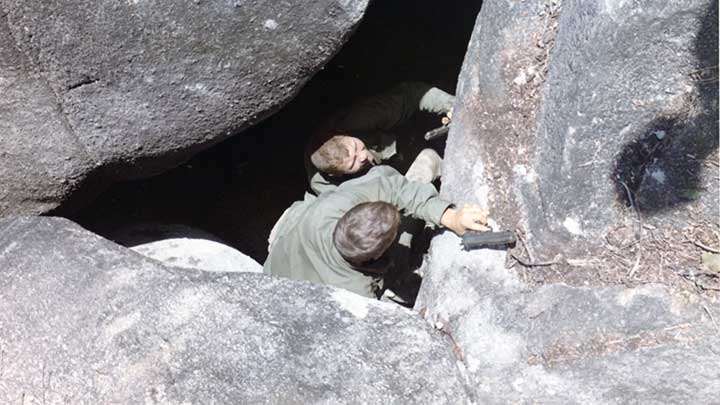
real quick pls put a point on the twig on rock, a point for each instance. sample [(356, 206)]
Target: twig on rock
[(717, 329), (521, 235), (708, 248), (456, 349), (638, 233), (533, 264), (692, 278), (581, 262), (635, 266)]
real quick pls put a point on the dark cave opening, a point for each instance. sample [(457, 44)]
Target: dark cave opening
[(237, 189)]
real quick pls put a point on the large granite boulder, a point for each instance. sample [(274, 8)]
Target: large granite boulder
[(83, 320), (590, 127), (41, 160), (587, 122), (128, 89), (178, 245), (563, 344)]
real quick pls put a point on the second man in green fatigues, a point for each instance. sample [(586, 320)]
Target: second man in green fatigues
[(305, 245)]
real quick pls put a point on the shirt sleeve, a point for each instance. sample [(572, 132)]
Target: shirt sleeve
[(393, 107), (383, 183)]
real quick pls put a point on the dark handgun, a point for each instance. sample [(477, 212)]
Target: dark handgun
[(476, 239)]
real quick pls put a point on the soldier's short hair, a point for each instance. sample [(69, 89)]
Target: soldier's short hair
[(365, 232), (329, 157)]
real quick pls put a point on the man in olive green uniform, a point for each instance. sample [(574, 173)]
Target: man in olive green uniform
[(362, 134), (304, 247)]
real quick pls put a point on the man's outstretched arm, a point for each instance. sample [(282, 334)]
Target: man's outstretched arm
[(419, 200), (393, 107)]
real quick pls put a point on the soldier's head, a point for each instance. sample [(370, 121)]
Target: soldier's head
[(340, 155), (365, 232)]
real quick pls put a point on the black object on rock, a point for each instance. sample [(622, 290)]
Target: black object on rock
[(475, 240)]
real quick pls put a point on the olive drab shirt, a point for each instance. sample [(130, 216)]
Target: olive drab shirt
[(371, 119), (304, 248)]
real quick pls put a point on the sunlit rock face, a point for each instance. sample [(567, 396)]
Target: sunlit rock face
[(573, 118), (566, 111), (84, 320), (100, 91), (565, 344)]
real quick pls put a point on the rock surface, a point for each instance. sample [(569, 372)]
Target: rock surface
[(564, 110), (563, 344), (133, 88), (41, 162), (182, 246), (83, 320), (569, 110)]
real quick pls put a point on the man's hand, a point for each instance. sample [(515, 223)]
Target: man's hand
[(469, 217), (447, 118)]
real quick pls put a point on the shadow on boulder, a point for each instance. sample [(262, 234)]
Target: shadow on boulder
[(662, 167)]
